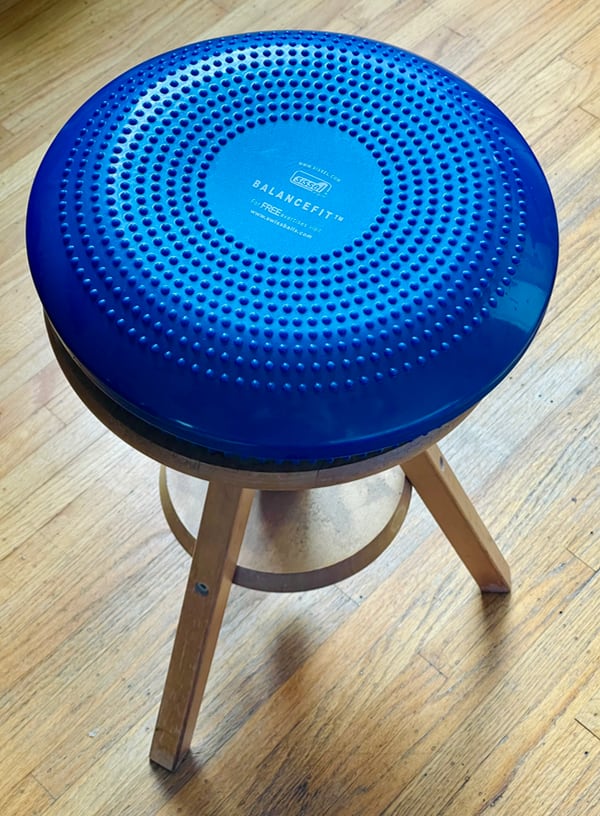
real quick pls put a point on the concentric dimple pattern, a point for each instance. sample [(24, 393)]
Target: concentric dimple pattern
[(419, 252)]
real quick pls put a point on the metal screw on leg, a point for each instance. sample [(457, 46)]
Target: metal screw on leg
[(201, 589)]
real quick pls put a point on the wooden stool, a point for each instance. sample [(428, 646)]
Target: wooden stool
[(283, 261)]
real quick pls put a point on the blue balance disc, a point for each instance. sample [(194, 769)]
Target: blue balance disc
[(292, 247)]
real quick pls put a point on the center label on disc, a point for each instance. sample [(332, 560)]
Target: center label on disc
[(294, 188)]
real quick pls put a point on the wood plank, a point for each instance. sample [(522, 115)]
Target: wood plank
[(550, 150), (573, 194), (6, 138), (48, 466), (36, 394), (264, 15), (19, 307), (426, 771), (538, 562), (503, 58), (24, 365), (589, 715), (316, 708), (48, 652), (584, 535), (550, 96), (570, 392), (15, 181), (57, 52), (14, 14), (291, 629), (364, 13), (413, 688), (555, 776), (406, 31), (79, 664), (564, 755), (70, 580), (27, 798), (26, 438)]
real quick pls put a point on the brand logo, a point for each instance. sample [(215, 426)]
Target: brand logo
[(320, 209), (313, 184)]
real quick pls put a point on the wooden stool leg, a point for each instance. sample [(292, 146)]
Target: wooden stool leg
[(450, 506), (214, 561)]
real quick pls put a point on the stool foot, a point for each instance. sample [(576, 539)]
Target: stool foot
[(450, 506), (214, 561)]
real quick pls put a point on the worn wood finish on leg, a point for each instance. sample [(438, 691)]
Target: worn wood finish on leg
[(434, 481), (215, 557)]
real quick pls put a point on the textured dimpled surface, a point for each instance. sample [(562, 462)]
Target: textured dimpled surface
[(292, 246)]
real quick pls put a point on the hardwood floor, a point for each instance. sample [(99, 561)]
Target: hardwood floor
[(401, 691)]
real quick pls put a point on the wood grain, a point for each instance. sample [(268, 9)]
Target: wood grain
[(218, 543), (28, 796), (401, 690), (450, 506)]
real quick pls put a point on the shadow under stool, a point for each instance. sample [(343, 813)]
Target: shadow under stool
[(283, 261)]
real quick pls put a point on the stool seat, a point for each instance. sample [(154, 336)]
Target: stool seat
[(292, 248)]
